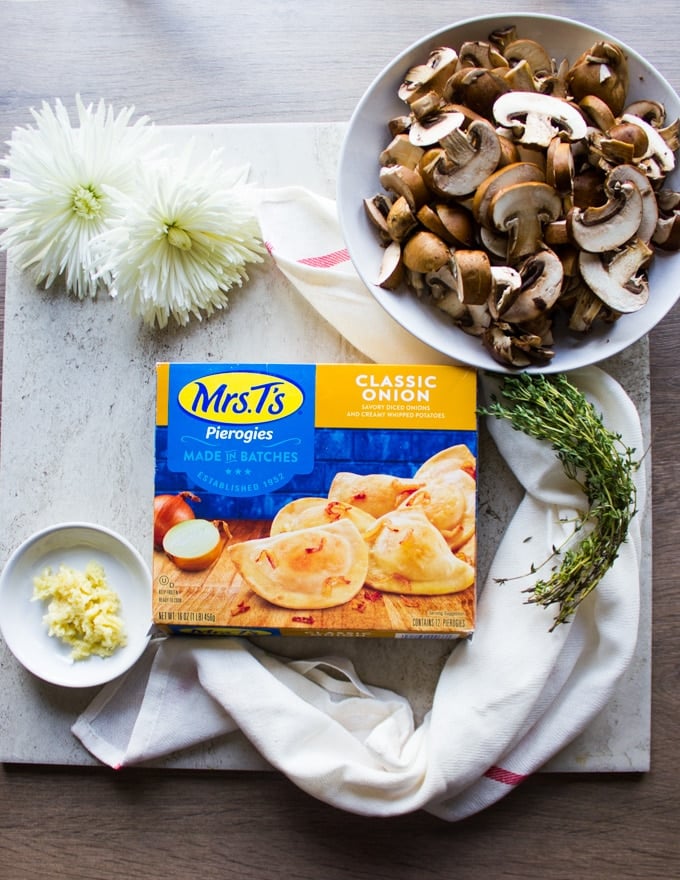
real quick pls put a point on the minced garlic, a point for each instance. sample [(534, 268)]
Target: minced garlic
[(82, 610)]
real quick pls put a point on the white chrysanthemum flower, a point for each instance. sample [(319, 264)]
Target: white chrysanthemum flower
[(185, 238), (60, 193)]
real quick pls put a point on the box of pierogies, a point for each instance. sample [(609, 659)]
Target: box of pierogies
[(315, 499)]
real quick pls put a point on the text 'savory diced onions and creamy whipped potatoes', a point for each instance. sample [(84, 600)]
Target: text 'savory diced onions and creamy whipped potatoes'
[(315, 499)]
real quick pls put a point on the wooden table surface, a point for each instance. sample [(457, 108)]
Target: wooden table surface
[(206, 61)]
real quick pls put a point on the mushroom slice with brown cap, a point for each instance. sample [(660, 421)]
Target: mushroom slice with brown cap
[(650, 207), (403, 181), (542, 276), (477, 88), (608, 226), (425, 105), (618, 279), (425, 252), (512, 347), (401, 151), (432, 75), (431, 129), (586, 309), (602, 70), (479, 53), (465, 160), (472, 273), (391, 267), (517, 172), (531, 52), (658, 159), (666, 234), (522, 210), (457, 221), (536, 119), (452, 223), (506, 285), (400, 220), (651, 111), (520, 77), (598, 112), (377, 208), (560, 170)]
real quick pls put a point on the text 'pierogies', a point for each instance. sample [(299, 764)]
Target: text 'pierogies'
[(317, 567)]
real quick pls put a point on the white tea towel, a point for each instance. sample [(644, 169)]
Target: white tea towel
[(506, 701)]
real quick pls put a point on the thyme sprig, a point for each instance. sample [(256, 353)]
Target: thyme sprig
[(554, 410)]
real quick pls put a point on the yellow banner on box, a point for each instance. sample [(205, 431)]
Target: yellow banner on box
[(396, 396)]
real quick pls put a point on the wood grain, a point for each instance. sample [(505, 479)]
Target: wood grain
[(205, 61)]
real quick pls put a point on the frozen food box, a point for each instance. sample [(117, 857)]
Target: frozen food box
[(315, 499)]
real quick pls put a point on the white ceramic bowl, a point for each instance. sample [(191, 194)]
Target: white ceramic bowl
[(358, 170), (21, 619)]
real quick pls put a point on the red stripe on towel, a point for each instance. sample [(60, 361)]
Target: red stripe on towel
[(507, 777), (326, 260)]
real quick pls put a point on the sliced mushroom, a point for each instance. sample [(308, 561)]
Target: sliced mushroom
[(630, 133), (512, 347), (666, 234), (432, 75), (586, 309), (608, 226), (658, 159), (472, 272), (431, 129), (532, 53), (406, 182), (556, 83), (450, 222), (652, 112), (520, 77), (377, 208), (502, 37), (426, 104), (536, 119), (477, 88), (400, 220), (479, 53), (401, 151), (650, 207), (516, 172), (671, 134), (506, 284), (391, 267), (618, 279), (588, 187), (541, 286), (496, 243), (425, 252), (465, 160), (603, 71), (598, 112), (522, 210), (559, 169)]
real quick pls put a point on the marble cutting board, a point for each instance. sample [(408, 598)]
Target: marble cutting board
[(77, 444)]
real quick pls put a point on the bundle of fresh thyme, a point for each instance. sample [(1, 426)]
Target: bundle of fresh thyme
[(552, 409)]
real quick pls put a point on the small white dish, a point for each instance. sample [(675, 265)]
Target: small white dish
[(367, 135), (73, 544)]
